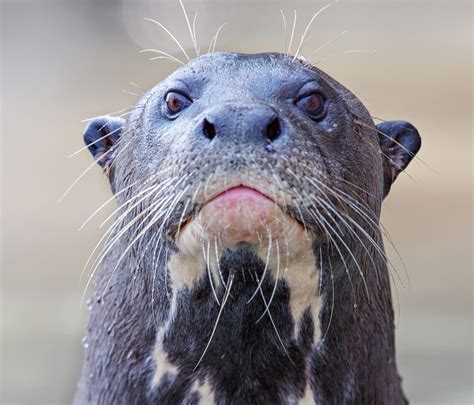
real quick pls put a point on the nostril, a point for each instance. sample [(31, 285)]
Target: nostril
[(273, 129), (208, 129)]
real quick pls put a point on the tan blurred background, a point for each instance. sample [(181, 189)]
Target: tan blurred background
[(67, 60)]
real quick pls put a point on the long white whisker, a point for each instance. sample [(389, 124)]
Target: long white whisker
[(170, 34), (226, 296), (130, 107), (151, 223), (327, 43), (212, 45), (95, 162), (96, 141), (265, 269), (259, 288), (276, 283), (164, 54), (154, 207), (115, 196), (191, 31), (285, 36), (218, 265), (292, 34), (206, 255), (307, 29), (332, 301)]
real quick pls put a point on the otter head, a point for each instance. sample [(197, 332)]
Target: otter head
[(246, 136), (255, 164)]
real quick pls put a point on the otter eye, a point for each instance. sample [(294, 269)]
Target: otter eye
[(176, 102), (313, 104)]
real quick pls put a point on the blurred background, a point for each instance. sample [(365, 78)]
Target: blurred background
[(64, 61)]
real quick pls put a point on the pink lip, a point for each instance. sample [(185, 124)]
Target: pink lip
[(239, 193)]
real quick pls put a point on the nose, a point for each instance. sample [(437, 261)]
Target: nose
[(257, 122)]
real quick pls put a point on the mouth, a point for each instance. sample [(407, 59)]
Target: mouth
[(240, 213), (241, 194)]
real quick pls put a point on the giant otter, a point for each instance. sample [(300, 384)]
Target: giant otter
[(245, 264)]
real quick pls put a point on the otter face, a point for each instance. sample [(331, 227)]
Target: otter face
[(258, 144)]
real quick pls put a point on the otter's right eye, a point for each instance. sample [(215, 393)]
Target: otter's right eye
[(313, 104), (175, 103)]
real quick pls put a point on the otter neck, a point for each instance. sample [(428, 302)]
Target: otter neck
[(244, 329), (141, 337)]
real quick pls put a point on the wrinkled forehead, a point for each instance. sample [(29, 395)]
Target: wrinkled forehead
[(233, 74)]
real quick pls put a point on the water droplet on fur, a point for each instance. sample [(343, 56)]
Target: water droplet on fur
[(355, 305), (89, 304), (85, 342)]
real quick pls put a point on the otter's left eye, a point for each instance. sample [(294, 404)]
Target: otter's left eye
[(176, 102), (313, 104)]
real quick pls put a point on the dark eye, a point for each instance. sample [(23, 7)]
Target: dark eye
[(176, 102), (313, 104)]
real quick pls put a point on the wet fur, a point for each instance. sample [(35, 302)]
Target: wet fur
[(353, 363)]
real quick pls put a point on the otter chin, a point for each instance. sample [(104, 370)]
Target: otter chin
[(246, 262), (242, 214)]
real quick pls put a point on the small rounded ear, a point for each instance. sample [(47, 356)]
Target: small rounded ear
[(399, 143), (101, 135)]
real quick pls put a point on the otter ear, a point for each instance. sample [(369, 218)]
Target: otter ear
[(100, 136), (399, 142)]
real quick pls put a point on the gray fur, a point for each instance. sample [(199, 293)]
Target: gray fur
[(355, 362)]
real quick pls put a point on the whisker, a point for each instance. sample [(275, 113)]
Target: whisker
[(191, 30), (360, 51), (155, 269), (265, 268), (342, 241), (111, 113), (217, 262), (319, 218), (138, 87), (226, 296), (108, 247), (209, 273), (276, 283), (396, 143), (305, 32), (181, 219), (170, 34), (151, 223), (285, 36), (344, 222), (292, 34), (194, 33), (78, 179), (212, 45), (332, 301), (114, 196), (130, 93), (144, 192), (94, 142), (326, 44), (259, 288), (154, 207), (164, 55)]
